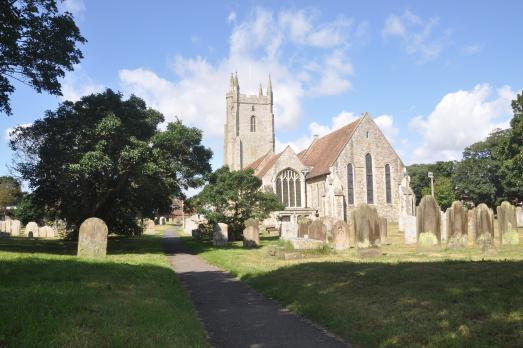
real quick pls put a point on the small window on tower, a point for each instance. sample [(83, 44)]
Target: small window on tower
[(367, 134), (252, 108), (253, 123)]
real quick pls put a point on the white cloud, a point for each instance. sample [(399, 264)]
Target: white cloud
[(77, 84), (460, 119), (265, 42), (8, 133), (232, 17), (471, 49), (417, 35), (76, 7), (386, 124)]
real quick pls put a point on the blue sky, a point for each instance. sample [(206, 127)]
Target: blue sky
[(435, 76)]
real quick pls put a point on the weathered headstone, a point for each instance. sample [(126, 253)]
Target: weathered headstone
[(366, 224), (383, 230), (251, 233), (318, 231), (409, 226), (288, 230), (162, 220), (328, 221), (15, 228), (507, 223), (149, 226), (92, 239), (46, 232), (8, 226), (2, 226), (303, 228), (31, 230), (443, 226), (340, 235), (519, 216), (220, 235), (428, 223), (471, 225), (457, 226), (189, 226), (484, 227)]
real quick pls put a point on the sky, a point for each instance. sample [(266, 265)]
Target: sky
[(435, 76)]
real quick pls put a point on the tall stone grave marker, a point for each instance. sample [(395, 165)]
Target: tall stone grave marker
[(251, 233), (340, 235), (365, 221), (457, 226), (519, 216), (220, 235), (318, 231), (288, 230), (428, 223), (507, 222), (383, 230), (92, 239), (484, 227), (409, 226), (31, 230), (15, 228)]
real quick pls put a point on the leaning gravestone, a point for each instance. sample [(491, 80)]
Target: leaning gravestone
[(15, 228), (318, 231), (483, 223), (92, 239), (519, 216), (383, 230), (457, 226), (366, 224), (31, 229), (220, 235), (251, 233), (428, 223), (288, 230), (149, 226), (340, 235), (508, 231), (303, 228)]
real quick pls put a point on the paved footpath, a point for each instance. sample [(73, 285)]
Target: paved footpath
[(234, 314)]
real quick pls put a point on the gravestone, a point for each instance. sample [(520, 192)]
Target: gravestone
[(251, 233), (31, 230), (383, 230), (318, 231), (409, 226), (162, 220), (519, 216), (484, 227), (149, 226), (507, 223), (189, 226), (428, 223), (220, 235), (340, 235), (46, 232), (92, 239), (2, 226), (288, 230), (366, 224), (303, 228), (443, 226), (15, 228), (306, 243), (7, 227), (328, 221), (471, 225), (457, 226)]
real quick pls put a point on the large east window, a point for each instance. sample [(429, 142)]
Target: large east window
[(368, 174), (288, 188)]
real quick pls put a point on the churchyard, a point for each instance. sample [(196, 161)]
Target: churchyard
[(441, 297)]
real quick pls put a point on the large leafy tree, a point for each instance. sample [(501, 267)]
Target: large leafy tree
[(104, 156), (38, 44), (10, 193), (419, 180), (232, 197), (443, 192)]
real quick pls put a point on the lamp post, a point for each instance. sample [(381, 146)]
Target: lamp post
[(431, 176)]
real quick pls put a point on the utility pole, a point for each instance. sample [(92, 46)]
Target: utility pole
[(431, 176)]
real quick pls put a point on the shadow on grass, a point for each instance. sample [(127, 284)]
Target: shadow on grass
[(116, 245), (442, 304), (69, 302)]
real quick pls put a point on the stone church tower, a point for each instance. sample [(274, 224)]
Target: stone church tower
[(249, 126)]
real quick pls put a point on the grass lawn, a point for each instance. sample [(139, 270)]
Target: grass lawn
[(405, 298), (49, 298)]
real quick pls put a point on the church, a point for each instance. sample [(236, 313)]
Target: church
[(352, 164)]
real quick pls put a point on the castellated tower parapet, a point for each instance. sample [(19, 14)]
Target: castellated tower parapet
[(249, 125)]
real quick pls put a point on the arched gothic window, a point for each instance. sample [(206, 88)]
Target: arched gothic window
[(350, 184), (253, 123), (288, 188), (388, 192), (370, 187)]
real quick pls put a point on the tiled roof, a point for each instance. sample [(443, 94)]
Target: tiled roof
[(254, 165), (269, 163), (323, 152)]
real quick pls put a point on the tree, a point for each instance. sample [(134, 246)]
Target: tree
[(10, 193), (419, 179), (37, 45), (27, 211), (232, 197), (103, 156), (443, 192)]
